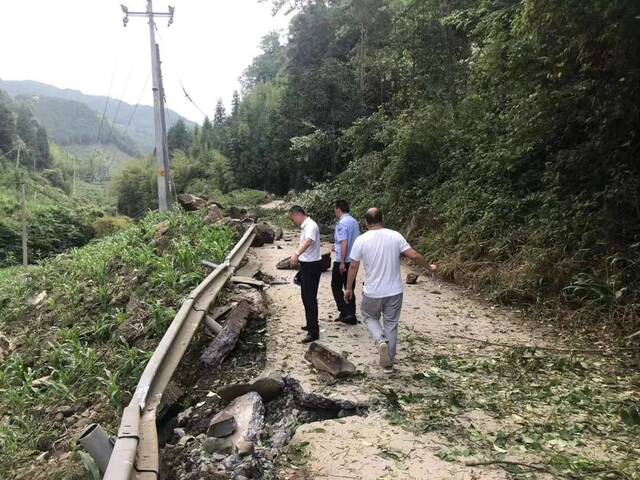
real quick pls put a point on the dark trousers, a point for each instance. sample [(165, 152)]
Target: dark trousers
[(338, 284), (309, 280)]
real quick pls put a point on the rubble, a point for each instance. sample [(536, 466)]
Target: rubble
[(191, 203), (412, 278), (213, 215), (269, 386), (325, 359)]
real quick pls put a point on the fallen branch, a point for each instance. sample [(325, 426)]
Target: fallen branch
[(553, 349), (507, 462)]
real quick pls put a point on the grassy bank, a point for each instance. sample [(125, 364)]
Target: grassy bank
[(84, 324)]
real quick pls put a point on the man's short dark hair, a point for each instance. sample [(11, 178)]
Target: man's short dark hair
[(373, 216), (343, 205), (296, 209)]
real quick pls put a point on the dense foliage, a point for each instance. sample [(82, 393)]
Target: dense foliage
[(87, 339), (21, 133), (505, 131)]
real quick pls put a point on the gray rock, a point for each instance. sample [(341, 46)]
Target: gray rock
[(269, 386), (248, 411), (213, 215), (184, 416), (191, 203), (244, 448), (222, 425), (264, 234), (327, 360), (218, 445), (285, 263)]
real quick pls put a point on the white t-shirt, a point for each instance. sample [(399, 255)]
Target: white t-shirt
[(380, 252), (310, 230)]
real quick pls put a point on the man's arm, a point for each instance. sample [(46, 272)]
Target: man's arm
[(351, 279), (416, 257), (301, 249), (343, 254)]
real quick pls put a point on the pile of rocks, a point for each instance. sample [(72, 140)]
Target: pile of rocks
[(254, 425)]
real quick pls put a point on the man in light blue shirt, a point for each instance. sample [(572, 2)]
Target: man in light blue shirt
[(347, 230)]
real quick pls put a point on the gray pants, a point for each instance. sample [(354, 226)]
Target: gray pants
[(389, 308)]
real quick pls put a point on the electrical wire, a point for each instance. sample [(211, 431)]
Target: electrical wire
[(106, 103)]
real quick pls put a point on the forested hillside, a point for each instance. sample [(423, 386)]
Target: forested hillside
[(73, 123), (503, 134), (65, 206), (138, 121)]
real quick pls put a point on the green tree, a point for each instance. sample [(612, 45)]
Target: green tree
[(179, 137), (220, 115)]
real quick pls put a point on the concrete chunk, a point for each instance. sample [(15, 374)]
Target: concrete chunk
[(325, 359)]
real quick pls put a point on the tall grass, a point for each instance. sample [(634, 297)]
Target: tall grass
[(84, 343)]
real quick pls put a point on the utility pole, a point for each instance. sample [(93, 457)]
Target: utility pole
[(25, 257), (23, 216), (163, 171)]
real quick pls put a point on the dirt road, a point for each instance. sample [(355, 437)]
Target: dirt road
[(373, 447)]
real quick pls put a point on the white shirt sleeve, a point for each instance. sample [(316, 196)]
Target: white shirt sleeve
[(308, 233), (355, 250), (403, 244)]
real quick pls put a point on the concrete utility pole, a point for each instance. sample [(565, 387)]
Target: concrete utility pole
[(25, 256), (163, 171)]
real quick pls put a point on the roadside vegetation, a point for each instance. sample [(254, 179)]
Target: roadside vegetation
[(501, 136), (83, 324), (528, 411)]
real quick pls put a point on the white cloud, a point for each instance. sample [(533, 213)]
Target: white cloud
[(82, 44)]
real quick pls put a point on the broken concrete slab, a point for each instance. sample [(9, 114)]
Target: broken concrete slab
[(250, 269), (222, 425), (268, 386), (325, 359), (248, 281), (248, 412)]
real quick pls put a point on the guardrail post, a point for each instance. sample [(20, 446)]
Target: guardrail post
[(98, 444)]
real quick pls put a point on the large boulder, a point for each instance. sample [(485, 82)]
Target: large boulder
[(213, 214), (191, 203), (264, 234)]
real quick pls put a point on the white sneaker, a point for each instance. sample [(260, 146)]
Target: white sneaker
[(388, 369), (385, 359)]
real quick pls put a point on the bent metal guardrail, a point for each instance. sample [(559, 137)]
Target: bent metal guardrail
[(135, 453)]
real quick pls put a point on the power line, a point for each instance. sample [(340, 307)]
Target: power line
[(133, 114), (106, 104), (115, 117)]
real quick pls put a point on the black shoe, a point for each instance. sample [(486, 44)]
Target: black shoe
[(349, 320), (305, 328), (339, 318), (310, 338)]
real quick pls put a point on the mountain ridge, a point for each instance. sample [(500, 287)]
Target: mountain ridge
[(141, 130)]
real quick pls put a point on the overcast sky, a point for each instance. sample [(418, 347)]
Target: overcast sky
[(82, 44)]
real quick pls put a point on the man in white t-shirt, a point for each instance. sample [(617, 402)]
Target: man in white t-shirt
[(308, 256), (380, 250)]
